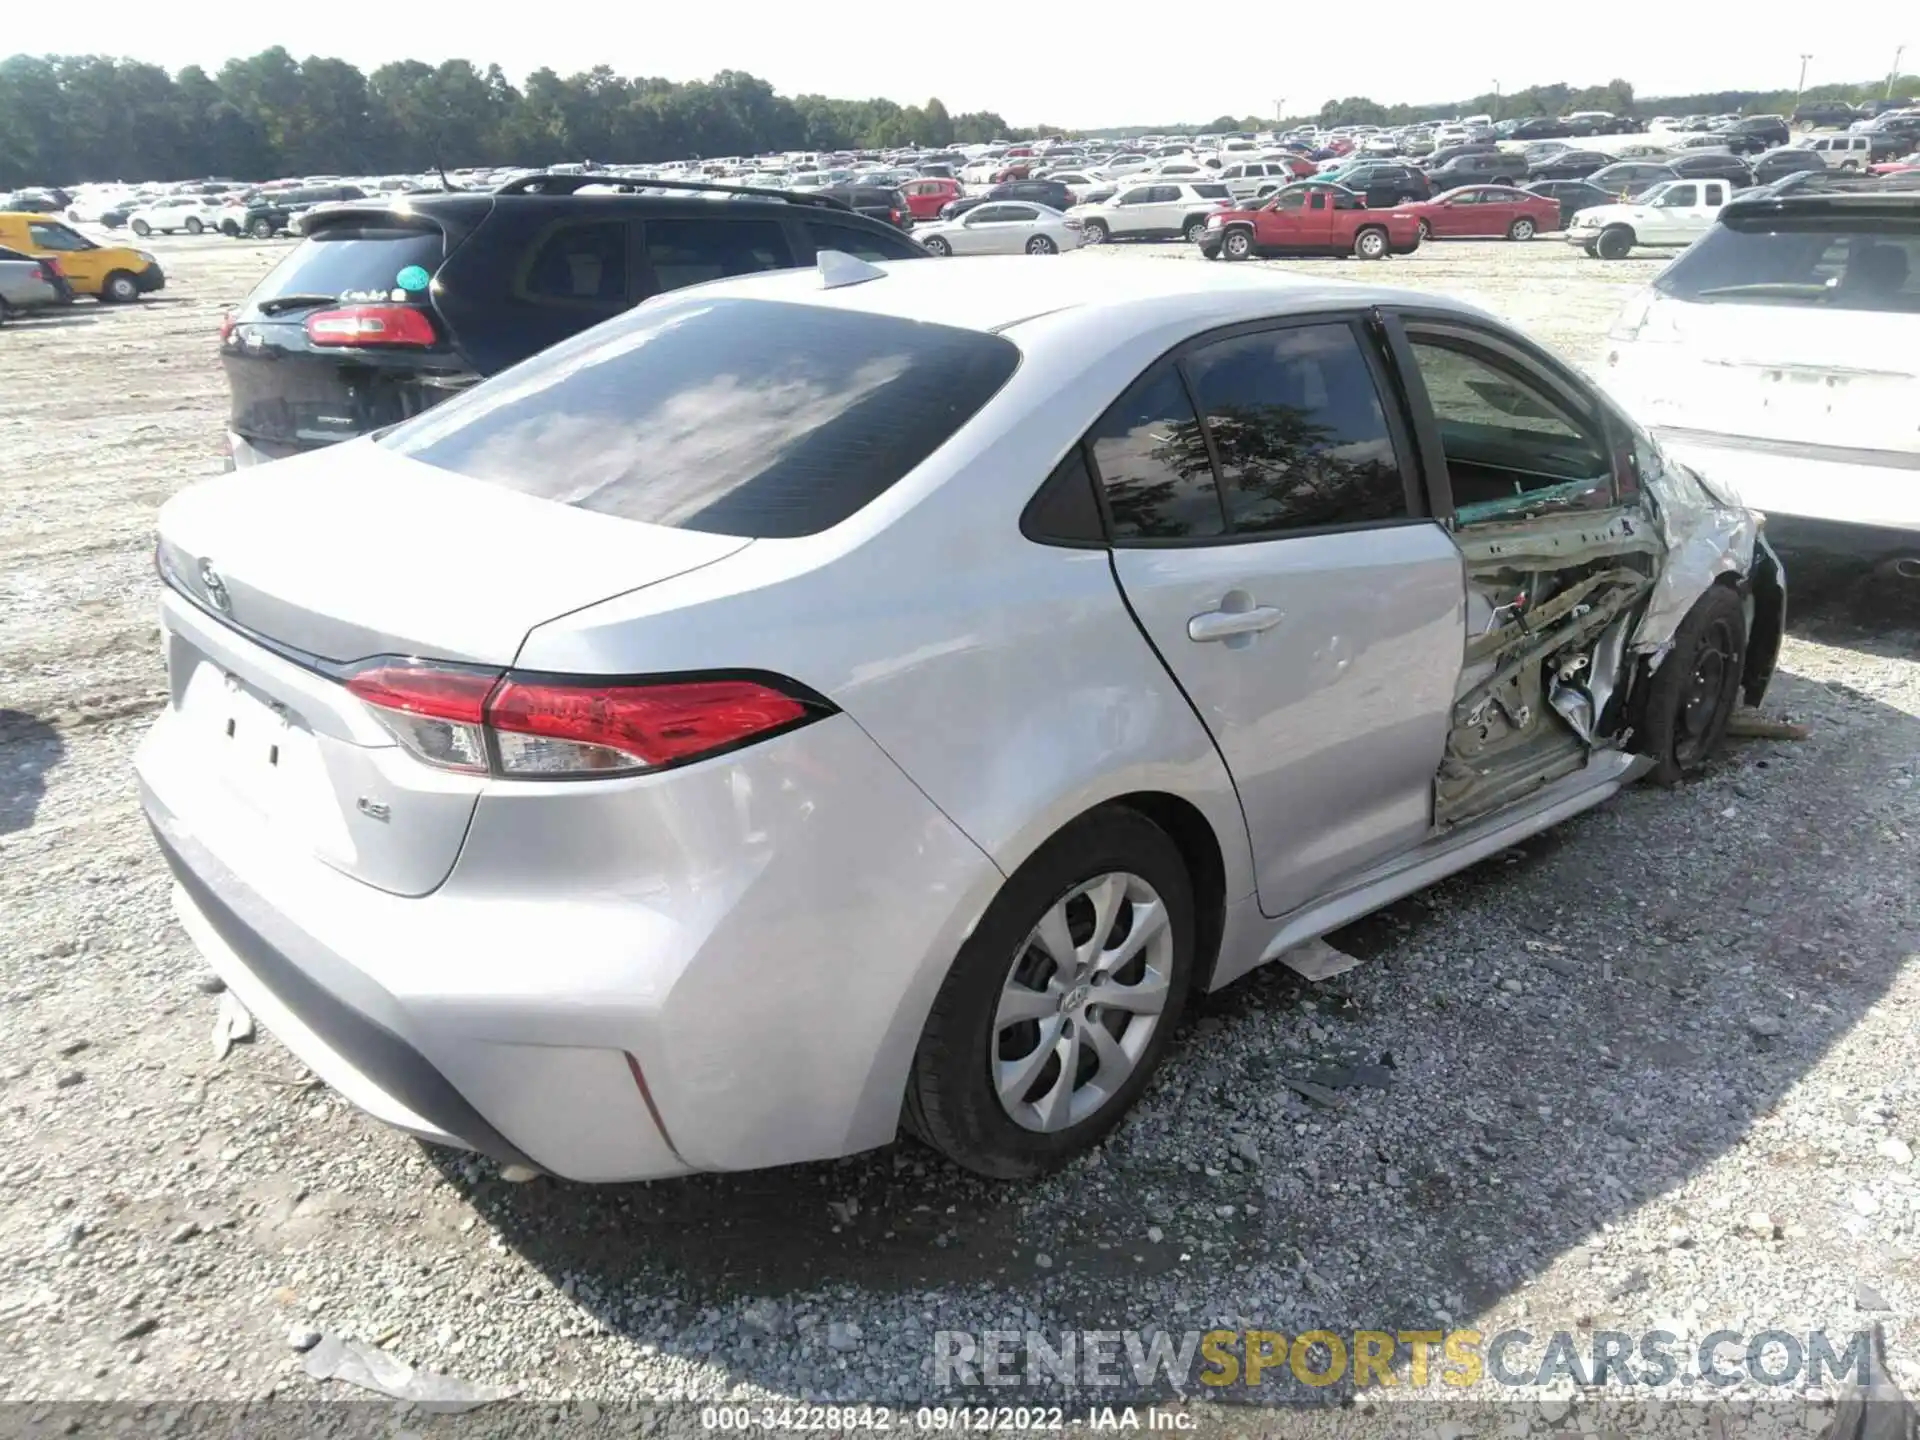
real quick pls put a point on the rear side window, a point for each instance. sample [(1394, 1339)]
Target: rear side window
[(851, 240), (354, 260), (1834, 264), (737, 417), (1153, 463), (689, 252), (1298, 427), (581, 262)]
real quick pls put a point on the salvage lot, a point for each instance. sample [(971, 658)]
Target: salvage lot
[(1656, 1067)]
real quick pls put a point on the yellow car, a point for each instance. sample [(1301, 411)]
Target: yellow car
[(111, 273)]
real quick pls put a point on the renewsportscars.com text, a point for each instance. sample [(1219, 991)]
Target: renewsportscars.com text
[(1450, 1360)]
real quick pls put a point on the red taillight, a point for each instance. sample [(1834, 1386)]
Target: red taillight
[(371, 325), (480, 721), (226, 326), (54, 267)]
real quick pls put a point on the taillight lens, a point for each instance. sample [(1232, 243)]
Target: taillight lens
[(226, 326), (541, 727), (437, 712), (364, 325)]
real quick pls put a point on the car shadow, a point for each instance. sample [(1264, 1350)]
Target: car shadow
[(1519, 1061), (29, 748)]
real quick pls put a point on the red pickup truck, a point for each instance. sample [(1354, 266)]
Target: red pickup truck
[(1312, 219)]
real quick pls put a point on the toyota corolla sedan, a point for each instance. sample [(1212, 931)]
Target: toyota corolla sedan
[(878, 696)]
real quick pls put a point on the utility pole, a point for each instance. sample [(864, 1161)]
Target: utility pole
[(1279, 109), (1894, 74), (1496, 99), (1798, 89)]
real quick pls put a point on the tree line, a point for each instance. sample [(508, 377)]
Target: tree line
[(65, 119)]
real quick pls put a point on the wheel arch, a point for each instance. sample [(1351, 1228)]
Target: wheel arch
[(1206, 865)]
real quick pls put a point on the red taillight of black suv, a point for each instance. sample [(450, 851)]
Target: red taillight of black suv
[(362, 325)]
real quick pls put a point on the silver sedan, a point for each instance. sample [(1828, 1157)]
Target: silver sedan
[(822, 701), (1002, 228)]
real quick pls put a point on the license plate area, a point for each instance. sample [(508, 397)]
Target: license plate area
[(260, 750)]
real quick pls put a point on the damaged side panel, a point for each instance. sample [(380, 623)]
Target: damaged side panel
[(1551, 600), (1563, 607)]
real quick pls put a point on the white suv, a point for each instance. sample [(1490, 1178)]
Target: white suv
[(1154, 211), (1780, 357), (191, 213)]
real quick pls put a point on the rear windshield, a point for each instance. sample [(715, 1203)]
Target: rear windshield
[(355, 262), (738, 417), (1836, 262)]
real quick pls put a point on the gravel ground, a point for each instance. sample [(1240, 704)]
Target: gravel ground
[(1657, 1067)]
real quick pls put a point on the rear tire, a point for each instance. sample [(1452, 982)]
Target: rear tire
[(967, 1057), (1042, 245), (261, 229), (1521, 229), (142, 229), (937, 246), (1426, 232), (194, 227), (1614, 243), (1692, 695), (119, 288), (1196, 229), (1370, 244)]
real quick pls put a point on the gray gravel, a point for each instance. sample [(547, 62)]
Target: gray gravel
[(1658, 1066)]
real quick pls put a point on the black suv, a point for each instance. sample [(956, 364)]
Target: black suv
[(387, 308), (1817, 113), (877, 202), (1755, 134), (266, 215), (1479, 168), (1387, 183)]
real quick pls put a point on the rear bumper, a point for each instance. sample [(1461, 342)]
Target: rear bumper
[(243, 453), (719, 967), (1875, 491), (353, 1052)]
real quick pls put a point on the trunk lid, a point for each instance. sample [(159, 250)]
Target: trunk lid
[(358, 551), (1814, 375), (336, 557)]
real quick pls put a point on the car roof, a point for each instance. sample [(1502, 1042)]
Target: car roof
[(995, 293)]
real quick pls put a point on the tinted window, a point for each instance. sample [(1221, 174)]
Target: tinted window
[(1164, 194), (1212, 192), (586, 263), (341, 260), (1299, 430), (1832, 264), (861, 243), (739, 417), (1134, 197), (687, 252), (1153, 463)]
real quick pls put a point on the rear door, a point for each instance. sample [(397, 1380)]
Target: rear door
[(1269, 533)]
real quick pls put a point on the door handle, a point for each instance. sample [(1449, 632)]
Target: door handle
[(1225, 624)]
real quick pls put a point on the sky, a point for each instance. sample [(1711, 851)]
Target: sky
[(1069, 65)]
